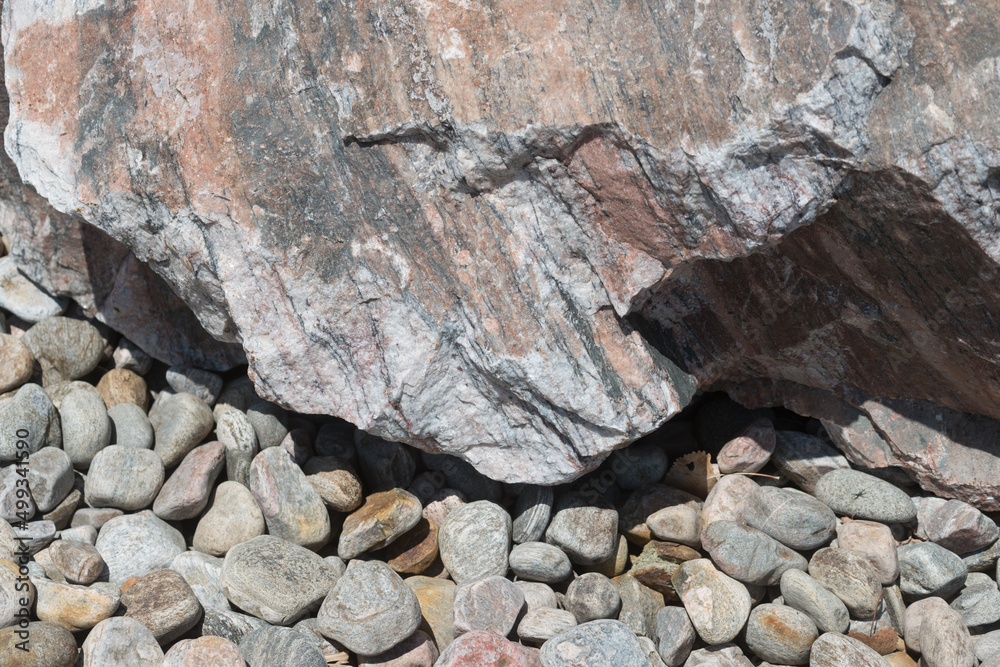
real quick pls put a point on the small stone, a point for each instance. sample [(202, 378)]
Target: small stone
[(8, 541), (236, 433), (270, 422), (16, 503), (382, 519), (203, 651), (94, 516), (883, 641), (863, 496), (874, 541), (164, 602), (961, 528), (72, 347), (29, 411), (723, 655), (944, 639), (298, 444), (805, 458), (16, 363), (86, 427), (417, 650), (532, 513), (119, 386), (602, 642), (926, 569), (291, 506), (50, 477), (461, 476), (850, 577), (34, 536), (185, 493), (680, 523), (130, 426), (124, 477), (615, 565), (638, 465), (675, 636), (122, 641), (538, 595), (436, 598), (592, 596), (336, 482), (180, 423), (540, 625), (370, 609), (441, 504), (657, 563), (61, 514), (538, 561), (978, 604), (987, 647), (802, 592), (984, 559), (836, 650), (587, 533), (203, 573), (717, 604), (135, 544), (280, 647), (383, 465), (480, 648), (231, 625), (780, 634), (79, 562), (750, 451), (493, 603), (650, 499), (639, 605), (275, 579), (73, 607), (913, 618), (790, 516), (130, 356), (24, 298), (727, 500), (415, 551), (49, 645), (749, 555), (203, 384), (474, 541)]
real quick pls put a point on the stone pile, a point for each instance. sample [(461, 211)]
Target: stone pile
[(172, 517)]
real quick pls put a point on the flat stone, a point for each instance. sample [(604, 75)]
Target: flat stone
[(50, 477), (203, 384), (86, 427), (638, 465), (595, 643), (727, 500), (927, 569), (370, 609), (73, 607), (944, 639), (234, 430), (717, 604), (802, 592), (780, 634), (474, 541), (180, 423), (229, 624), (49, 645), (961, 528), (417, 650), (185, 494), (539, 561), (437, 598), (632, 520), (291, 506), (805, 458), (863, 496), (79, 562), (24, 298), (202, 651), (749, 555), (233, 517), (136, 544), (280, 647), (124, 477), (532, 513), (657, 563), (639, 605), (850, 577), (415, 550), (336, 481), (16, 363), (382, 519), (540, 625), (487, 648), (73, 347), (461, 476), (493, 603), (874, 541), (130, 426), (675, 636), (978, 604), (203, 573), (836, 650), (792, 517), (270, 422), (592, 596), (29, 411), (750, 451), (119, 386), (164, 602), (587, 533), (275, 579)]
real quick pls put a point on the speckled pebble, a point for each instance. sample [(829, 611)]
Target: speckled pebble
[(186, 492), (863, 496), (539, 561), (291, 506), (780, 634), (717, 604), (474, 541), (124, 477), (926, 569), (960, 527), (493, 603), (603, 642), (130, 426), (587, 533)]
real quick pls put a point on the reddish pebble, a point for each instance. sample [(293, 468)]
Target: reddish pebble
[(750, 451), (482, 647), (215, 651), (417, 650)]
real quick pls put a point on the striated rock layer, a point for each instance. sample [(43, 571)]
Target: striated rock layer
[(526, 233)]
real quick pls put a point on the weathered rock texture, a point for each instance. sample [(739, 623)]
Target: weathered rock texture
[(525, 234)]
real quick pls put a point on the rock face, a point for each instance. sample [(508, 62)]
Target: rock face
[(530, 239)]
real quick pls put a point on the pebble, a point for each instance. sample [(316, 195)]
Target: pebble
[(914, 616), (164, 602), (35, 535), (749, 555), (723, 655), (960, 527), (49, 645), (72, 347), (441, 504), (203, 573), (79, 562), (269, 420), (480, 648), (180, 423), (926, 569), (601, 642), (874, 541), (639, 605), (616, 564), (201, 383), (135, 544), (657, 563), (592, 596), (474, 541), (538, 561), (984, 559), (185, 494), (436, 598), (850, 577), (24, 298), (119, 386), (978, 604), (417, 650), (461, 476), (638, 465), (727, 500), (675, 636), (532, 513), (86, 427), (336, 438), (280, 647), (493, 603), (50, 477), (835, 650), (291, 506), (229, 624), (750, 451), (632, 519), (780, 634), (130, 426), (987, 647), (370, 609), (883, 641), (202, 652), (61, 514), (802, 592), (73, 607), (804, 459), (124, 477), (94, 517), (30, 410), (944, 639), (415, 551), (235, 432), (540, 625), (679, 523), (275, 579), (863, 496), (336, 482), (717, 604), (792, 517), (14, 595), (383, 465), (382, 519), (16, 363), (130, 356), (587, 533), (16, 503)]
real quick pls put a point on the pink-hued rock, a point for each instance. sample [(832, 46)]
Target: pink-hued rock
[(961, 528), (203, 651), (482, 647), (417, 650), (493, 604), (727, 500), (750, 451), (185, 493), (874, 541)]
